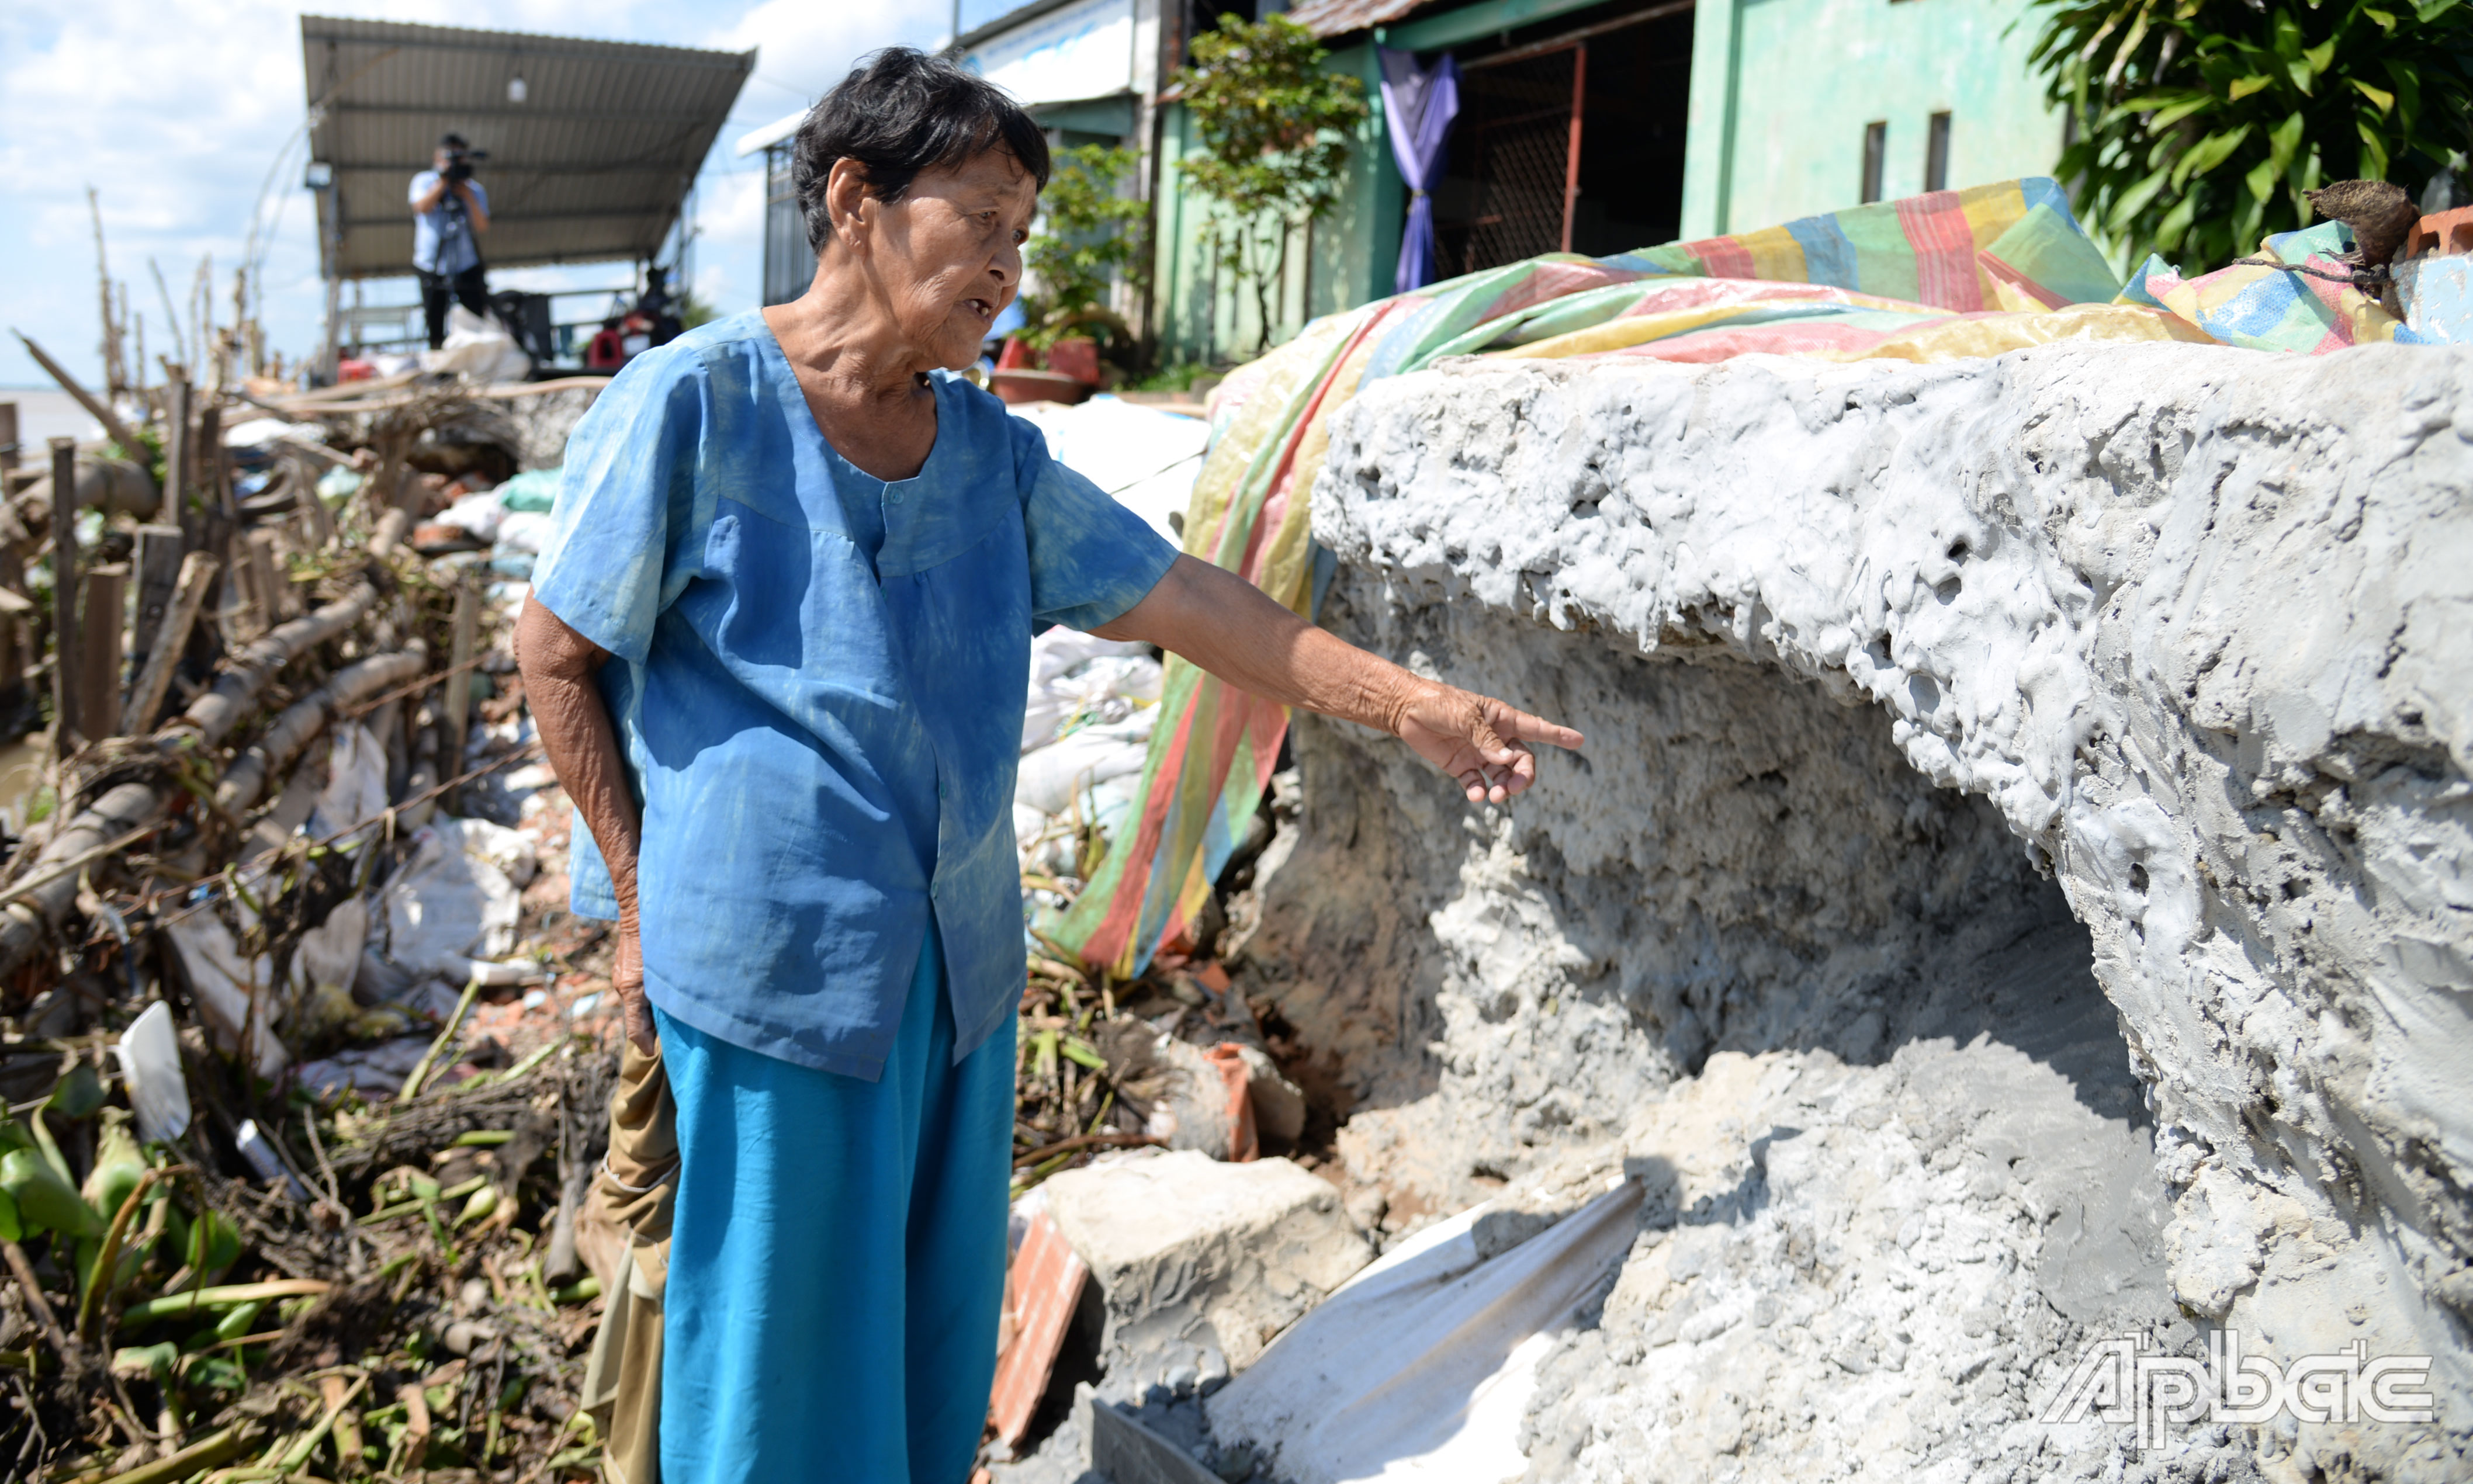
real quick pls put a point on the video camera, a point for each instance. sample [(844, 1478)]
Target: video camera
[(459, 164)]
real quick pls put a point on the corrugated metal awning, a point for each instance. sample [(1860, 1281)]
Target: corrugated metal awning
[(590, 163), (1338, 17)]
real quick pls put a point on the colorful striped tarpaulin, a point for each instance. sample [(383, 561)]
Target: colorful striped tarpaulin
[(1939, 276)]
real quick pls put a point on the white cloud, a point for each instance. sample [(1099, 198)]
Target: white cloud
[(175, 115)]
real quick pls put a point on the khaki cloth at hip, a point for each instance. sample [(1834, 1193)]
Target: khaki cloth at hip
[(623, 1235)]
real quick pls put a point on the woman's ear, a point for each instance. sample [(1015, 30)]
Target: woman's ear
[(846, 199)]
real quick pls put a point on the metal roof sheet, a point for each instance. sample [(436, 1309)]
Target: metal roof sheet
[(1334, 17), (592, 165)]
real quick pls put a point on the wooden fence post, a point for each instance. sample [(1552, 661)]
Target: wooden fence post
[(170, 641), (178, 450), (98, 652), (459, 684), (64, 596), (158, 562)]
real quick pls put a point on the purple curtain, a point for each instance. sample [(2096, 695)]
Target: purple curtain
[(1418, 105)]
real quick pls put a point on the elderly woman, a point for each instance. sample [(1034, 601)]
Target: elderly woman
[(818, 558)]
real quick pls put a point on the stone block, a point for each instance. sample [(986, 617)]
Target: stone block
[(1201, 1263)]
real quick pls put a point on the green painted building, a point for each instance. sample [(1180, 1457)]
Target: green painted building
[(1593, 126)]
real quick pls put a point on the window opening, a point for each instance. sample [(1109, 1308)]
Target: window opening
[(1937, 155), (1876, 150)]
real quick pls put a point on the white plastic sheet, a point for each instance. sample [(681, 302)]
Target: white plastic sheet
[(453, 906), (1419, 1369), (355, 791), (1091, 680), (480, 514), (232, 990), (480, 349), (1053, 774), (1145, 457), (150, 1062)]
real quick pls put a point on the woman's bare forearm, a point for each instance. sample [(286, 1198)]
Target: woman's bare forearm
[(1232, 629), (557, 665)]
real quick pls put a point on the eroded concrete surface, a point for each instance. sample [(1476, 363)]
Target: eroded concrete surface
[(2016, 892)]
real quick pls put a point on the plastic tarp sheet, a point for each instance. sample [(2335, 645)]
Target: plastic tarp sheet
[(1146, 458), (479, 349), (1419, 1369), (1944, 275), (450, 909)]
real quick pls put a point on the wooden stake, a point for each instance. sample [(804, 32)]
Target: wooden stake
[(459, 682), (171, 639), (64, 595), (159, 572), (266, 577), (177, 446), (8, 437), (213, 471), (97, 678)]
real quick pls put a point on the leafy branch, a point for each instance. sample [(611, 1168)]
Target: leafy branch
[(1089, 235), (1273, 129), (2203, 124)]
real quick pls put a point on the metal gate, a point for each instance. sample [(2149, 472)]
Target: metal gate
[(1518, 138), (1519, 134)]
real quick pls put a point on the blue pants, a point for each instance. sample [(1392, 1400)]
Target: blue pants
[(837, 1258)]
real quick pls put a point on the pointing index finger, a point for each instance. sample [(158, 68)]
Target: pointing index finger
[(1536, 728)]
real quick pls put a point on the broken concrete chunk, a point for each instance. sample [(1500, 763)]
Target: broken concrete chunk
[(1201, 1263)]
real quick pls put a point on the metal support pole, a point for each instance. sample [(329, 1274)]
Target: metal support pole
[(1571, 156)]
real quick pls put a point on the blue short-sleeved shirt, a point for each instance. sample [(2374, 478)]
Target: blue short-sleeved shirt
[(442, 236), (819, 682)]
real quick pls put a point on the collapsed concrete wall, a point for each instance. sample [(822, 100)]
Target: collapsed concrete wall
[(1913, 693)]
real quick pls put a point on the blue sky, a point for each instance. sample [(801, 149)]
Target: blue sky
[(175, 113)]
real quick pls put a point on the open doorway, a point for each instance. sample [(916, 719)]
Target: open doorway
[(1570, 137)]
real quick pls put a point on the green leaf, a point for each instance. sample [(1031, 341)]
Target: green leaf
[(2124, 211), (2167, 117), (44, 1200), (1084, 1053), (2176, 225), (2428, 10), (78, 1094), (2374, 151), (2260, 180), (2282, 141), (2385, 100), (2242, 88), (2317, 57), (2208, 153), (2385, 19)]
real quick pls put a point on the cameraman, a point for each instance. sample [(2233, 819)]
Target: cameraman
[(448, 208)]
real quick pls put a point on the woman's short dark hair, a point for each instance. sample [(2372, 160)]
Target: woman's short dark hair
[(898, 113)]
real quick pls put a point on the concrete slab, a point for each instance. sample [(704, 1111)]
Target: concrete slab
[(1201, 1263)]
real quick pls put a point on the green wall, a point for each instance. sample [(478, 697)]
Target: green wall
[(1782, 91), (1348, 259)]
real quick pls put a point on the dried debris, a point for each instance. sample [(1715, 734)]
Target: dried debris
[(300, 1107)]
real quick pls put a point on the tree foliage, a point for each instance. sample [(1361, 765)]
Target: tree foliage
[(1088, 235), (1274, 127), (2200, 124)]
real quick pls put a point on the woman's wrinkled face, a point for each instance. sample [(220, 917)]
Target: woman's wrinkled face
[(948, 256)]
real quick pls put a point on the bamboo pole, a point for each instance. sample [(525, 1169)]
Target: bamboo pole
[(113, 426), (25, 924)]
